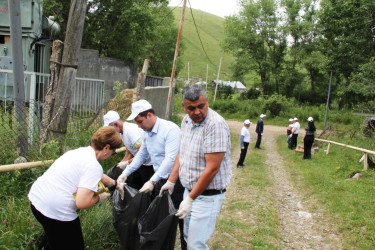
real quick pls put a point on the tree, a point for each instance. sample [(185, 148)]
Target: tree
[(256, 41), (348, 28)]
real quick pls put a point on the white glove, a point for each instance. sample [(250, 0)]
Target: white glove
[(147, 187), (122, 178), (103, 197), (261, 134), (123, 164), (185, 207), (242, 147), (167, 186), (121, 190)]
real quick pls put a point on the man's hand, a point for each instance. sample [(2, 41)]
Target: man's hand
[(122, 178), (185, 207), (123, 164), (242, 147), (167, 186), (147, 187), (121, 190), (261, 134), (103, 197)]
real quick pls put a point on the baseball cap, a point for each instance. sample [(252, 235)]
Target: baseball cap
[(310, 119), (139, 107), (247, 121), (110, 117), (295, 118), (291, 119), (262, 115)]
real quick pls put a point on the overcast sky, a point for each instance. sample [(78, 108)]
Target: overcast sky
[(220, 8)]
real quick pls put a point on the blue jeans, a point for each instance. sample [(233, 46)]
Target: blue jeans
[(199, 225)]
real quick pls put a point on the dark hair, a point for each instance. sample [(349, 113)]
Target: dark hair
[(193, 92), (311, 126), (144, 113), (106, 135)]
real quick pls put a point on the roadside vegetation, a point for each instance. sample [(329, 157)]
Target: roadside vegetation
[(350, 203)]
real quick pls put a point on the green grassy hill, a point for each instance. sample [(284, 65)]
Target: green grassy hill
[(211, 31)]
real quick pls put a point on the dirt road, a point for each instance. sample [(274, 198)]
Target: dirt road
[(300, 228)]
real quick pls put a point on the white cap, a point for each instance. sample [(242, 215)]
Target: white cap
[(262, 115), (295, 118), (310, 119), (291, 119), (139, 107), (110, 117), (247, 122)]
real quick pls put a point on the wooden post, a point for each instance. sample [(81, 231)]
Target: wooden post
[(175, 60), (365, 162), (141, 80), (49, 100), (68, 72), (329, 146)]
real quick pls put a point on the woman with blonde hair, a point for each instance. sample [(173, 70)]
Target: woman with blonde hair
[(70, 184)]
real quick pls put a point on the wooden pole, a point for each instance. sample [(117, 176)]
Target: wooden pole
[(141, 80), (68, 71), (175, 60), (19, 86), (217, 78)]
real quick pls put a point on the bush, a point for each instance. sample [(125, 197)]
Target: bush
[(276, 104)]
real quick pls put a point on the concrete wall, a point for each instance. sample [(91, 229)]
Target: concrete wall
[(158, 97), (91, 65)]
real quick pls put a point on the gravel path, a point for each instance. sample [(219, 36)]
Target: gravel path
[(299, 227)]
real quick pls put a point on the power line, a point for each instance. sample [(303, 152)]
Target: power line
[(196, 28), (170, 12)]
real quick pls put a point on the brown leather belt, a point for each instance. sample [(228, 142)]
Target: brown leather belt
[(209, 192)]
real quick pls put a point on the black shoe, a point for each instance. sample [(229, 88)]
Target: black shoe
[(240, 166)]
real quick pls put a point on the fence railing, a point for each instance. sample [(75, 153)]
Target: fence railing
[(365, 151), (86, 107)]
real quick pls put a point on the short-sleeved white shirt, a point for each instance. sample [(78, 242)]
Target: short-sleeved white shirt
[(52, 193), (297, 126), (132, 139), (246, 134)]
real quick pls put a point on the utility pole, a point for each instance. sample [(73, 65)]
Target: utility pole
[(329, 93), (217, 79), (175, 59), (68, 71), (19, 87), (206, 76)]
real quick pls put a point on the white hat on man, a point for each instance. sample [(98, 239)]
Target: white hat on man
[(111, 116), (295, 118), (139, 107), (247, 122), (262, 115)]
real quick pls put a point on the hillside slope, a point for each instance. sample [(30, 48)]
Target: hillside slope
[(211, 31)]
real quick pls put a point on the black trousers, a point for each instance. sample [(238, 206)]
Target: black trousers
[(177, 197), (307, 144), (294, 141), (259, 140), (60, 234), (243, 154), (138, 178)]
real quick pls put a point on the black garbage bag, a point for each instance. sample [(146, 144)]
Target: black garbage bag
[(158, 226), (126, 214), (114, 172)]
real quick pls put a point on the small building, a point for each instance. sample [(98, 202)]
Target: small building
[(237, 85)]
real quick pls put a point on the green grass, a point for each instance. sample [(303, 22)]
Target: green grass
[(211, 31), (248, 219), (350, 204)]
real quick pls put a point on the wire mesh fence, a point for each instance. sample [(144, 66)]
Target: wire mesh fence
[(20, 120)]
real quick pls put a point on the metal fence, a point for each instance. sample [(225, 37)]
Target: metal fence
[(86, 109)]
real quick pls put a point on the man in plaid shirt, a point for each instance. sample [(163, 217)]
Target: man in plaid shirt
[(203, 166)]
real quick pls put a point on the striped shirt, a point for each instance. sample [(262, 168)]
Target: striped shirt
[(212, 135), (161, 144)]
